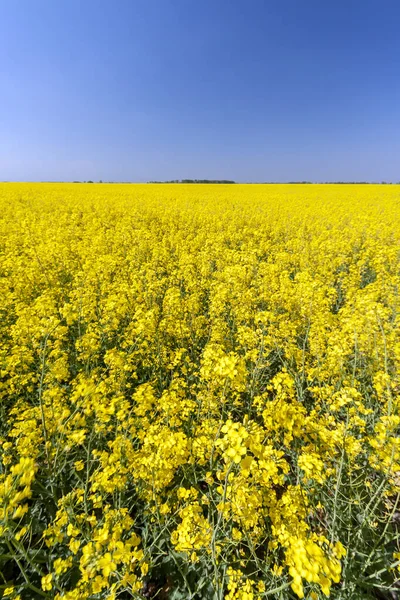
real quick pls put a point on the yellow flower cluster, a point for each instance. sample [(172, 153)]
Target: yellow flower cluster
[(14, 489), (105, 550), (199, 391), (242, 588), (194, 531)]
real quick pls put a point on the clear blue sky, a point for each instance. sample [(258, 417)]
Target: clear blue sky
[(251, 90)]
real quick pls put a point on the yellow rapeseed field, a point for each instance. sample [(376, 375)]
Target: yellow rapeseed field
[(199, 391)]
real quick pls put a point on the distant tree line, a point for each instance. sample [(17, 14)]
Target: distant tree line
[(368, 182), (258, 182), (195, 181), (327, 182)]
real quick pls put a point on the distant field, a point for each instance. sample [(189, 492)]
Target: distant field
[(199, 391)]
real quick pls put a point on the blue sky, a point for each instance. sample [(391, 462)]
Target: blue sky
[(251, 90)]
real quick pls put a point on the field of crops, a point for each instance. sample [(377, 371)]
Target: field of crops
[(199, 391)]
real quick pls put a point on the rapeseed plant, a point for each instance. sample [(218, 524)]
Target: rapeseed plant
[(199, 391)]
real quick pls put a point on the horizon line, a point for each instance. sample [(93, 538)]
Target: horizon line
[(205, 182)]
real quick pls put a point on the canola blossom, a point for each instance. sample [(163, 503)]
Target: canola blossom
[(199, 391)]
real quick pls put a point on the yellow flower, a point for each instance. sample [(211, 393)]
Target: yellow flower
[(106, 564), (47, 584), (74, 545)]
